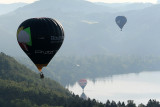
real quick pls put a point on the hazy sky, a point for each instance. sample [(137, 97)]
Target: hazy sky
[(107, 1), (121, 1), (14, 1)]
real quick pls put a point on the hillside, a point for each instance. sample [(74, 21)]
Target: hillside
[(20, 86), (5, 8)]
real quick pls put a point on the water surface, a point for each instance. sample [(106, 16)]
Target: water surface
[(138, 87)]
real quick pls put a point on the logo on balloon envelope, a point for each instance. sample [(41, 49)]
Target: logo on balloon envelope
[(24, 38), (45, 52), (57, 39)]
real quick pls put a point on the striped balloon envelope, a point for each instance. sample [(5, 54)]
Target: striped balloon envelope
[(82, 83)]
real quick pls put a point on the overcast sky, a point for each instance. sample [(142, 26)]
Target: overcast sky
[(106, 1)]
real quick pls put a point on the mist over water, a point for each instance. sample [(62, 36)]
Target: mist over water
[(138, 87)]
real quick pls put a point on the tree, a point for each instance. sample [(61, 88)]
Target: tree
[(130, 103), (113, 104), (108, 104), (153, 103), (141, 105)]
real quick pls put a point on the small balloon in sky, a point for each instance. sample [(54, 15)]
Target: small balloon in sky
[(121, 21), (82, 83)]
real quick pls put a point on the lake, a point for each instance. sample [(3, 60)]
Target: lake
[(138, 87)]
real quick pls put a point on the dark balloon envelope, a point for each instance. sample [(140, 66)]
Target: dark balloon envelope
[(40, 39), (121, 21)]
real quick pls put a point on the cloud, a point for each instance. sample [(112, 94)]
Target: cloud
[(89, 22)]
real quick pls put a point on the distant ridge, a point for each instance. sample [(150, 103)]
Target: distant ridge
[(6, 8)]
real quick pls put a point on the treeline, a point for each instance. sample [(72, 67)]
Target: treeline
[(68, 70), (130, 103)]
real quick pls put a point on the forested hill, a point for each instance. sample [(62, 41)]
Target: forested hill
[(20, 86)]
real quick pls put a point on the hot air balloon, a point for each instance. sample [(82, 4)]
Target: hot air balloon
[(82, 83), (40, 39), (121, 21)]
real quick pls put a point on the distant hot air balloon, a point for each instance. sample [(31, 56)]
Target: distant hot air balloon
[(121, 21), (40, 39), (82, 83)]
